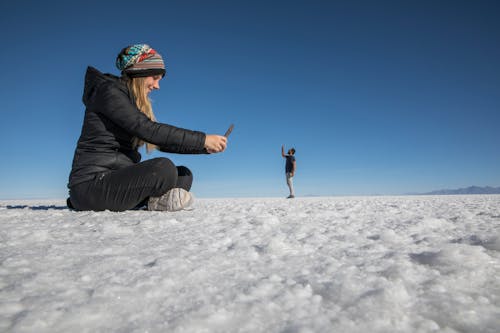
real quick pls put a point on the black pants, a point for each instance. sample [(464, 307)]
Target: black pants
[(130, 187)]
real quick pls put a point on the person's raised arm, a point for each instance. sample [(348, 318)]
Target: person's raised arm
[(283, 151), (116, 106)]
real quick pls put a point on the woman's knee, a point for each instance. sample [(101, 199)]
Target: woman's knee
[(184, 171), (184, 178), (169, 175), (164, 172), (162, 166)]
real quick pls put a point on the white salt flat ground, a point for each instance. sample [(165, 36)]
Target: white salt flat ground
[(355, 264)]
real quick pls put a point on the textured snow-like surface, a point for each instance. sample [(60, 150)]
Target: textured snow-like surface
[(353, 264)]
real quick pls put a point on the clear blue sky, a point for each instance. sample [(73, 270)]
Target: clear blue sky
[(377, 97)]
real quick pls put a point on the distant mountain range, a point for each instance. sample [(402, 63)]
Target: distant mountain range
[(467, 190)]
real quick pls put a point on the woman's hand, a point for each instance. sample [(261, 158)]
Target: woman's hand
[(215, 143)]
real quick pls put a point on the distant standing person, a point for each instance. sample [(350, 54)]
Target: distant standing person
[(290, 168)]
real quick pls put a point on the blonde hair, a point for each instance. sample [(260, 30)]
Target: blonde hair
[(143, 103)]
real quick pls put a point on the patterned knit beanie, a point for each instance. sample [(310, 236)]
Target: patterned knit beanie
[(140, 60)]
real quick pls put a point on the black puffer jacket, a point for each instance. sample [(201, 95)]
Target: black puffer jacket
[(111, 123)]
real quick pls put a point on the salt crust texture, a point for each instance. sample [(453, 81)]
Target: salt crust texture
[(340, 264)]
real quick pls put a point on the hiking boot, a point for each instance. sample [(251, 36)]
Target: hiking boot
[(174, 200), (290, 196)]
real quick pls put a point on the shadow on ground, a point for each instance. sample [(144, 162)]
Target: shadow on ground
[(43, 207)]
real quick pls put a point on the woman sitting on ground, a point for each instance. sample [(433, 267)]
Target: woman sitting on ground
[(107, 173)]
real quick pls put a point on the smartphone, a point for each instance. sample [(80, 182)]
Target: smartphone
[(229, 130)]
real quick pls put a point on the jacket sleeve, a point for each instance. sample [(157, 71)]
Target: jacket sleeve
[(116, 105)]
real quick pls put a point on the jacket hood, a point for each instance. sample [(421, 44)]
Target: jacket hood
[(93, 80)]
